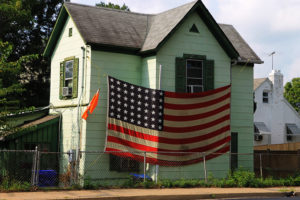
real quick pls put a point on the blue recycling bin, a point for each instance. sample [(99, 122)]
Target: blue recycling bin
[(140, 176), (47, 178)]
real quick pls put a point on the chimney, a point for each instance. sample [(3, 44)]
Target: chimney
[(276, 77)]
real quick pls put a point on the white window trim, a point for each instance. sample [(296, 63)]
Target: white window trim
[(202, 78)]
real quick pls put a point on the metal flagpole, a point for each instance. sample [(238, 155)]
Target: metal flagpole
[(159, 87)]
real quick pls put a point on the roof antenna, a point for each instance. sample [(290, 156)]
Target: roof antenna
[(272, 54)]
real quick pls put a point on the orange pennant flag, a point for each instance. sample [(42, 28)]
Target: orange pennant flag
[(91, 107)]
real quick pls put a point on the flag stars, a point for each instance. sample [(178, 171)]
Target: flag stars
[(125, 118), (118, 82), (132, 120), (125, 85), (131, 107), (139, 96), (125, 98), (139, 109), (146, 124), (146, 104), (132, 100), (112, 80), (146, 97), (125, 105), (139, 89), (112, 107), (131, 114), (112, 86), (152, 126), (119, 109), (125, 92), (153, 99), (119, 96), (146, 91), (112, 93), (132, 87), (112, 100), (118, 116), (153, 112), (139, 102), (125, 111), (112, 114), (119, 102), (160, 100), (153, 119), (139, 122), (145, 117), (153, 92), (132, 94), (153, 105), (138, 116)]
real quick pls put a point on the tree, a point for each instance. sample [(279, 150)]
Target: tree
[(292, 93), (114, 6), (27, 25), (11, 89)]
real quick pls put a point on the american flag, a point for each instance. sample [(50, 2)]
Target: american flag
[(171, 127)]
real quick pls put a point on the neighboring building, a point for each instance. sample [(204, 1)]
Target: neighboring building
[(88, 43), (275, 120)]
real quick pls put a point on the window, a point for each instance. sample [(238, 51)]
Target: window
[(265, 97), (289, 134), (68, 78), (194, 76), (69, 73), (70, 32), (194, 73), (122, 164)]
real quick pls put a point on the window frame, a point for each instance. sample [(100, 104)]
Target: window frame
[(70, 82), (202, 77), (265, 98)]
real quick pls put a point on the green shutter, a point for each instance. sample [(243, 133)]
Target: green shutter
[(208, 74), (75, 78), (180, 75), (62, 78)]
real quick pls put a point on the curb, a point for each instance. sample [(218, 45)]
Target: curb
[(186, 196)]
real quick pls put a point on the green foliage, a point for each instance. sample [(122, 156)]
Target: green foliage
[(13, 185), (26, 26), (292, 93), (113, 6)]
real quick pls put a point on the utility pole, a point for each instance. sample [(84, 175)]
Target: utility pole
[(272, 54)]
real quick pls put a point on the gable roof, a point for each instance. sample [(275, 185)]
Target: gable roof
[(245, 51), (257, 82), (143, 33)]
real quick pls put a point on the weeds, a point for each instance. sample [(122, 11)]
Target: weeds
[(239, 178)]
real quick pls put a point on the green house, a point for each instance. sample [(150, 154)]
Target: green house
[(88, 43)]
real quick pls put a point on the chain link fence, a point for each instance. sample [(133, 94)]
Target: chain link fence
[(57, 169)]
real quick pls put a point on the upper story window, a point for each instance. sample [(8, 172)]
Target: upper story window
[(194, 76), (265, 97), (69, 78), (70, 32), (194, 73)]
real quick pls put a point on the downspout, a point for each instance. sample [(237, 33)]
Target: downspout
[(78, 105)]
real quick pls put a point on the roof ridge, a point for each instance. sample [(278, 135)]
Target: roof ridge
[(192, 2), (109, 9)]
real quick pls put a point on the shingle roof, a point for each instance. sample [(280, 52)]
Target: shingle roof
[(162, 24), (245, 51), (257, 82), (141, 32)]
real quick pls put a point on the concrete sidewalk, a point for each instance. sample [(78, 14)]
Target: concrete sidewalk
[(153, 194)]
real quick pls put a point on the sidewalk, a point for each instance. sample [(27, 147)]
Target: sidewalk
[(152, 194)]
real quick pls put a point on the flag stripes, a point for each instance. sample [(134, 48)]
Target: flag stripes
[(170, 126)]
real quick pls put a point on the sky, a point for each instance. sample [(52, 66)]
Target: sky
[(266, 25)]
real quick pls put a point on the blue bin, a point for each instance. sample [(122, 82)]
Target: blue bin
[(140, 176), (47, 178)]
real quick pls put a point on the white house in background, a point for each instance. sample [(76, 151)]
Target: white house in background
[(275, 120)]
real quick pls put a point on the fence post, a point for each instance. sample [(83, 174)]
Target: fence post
[(260, 166), (204, 167), (37, 167), (33, 172), (145, 166)]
